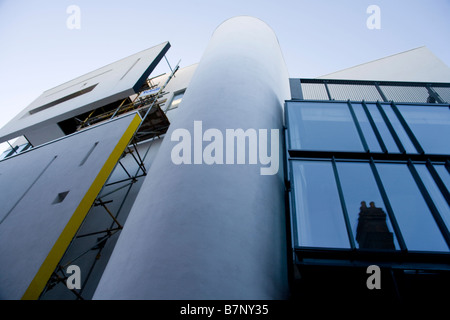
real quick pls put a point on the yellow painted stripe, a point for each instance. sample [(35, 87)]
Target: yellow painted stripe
[(41, 278)]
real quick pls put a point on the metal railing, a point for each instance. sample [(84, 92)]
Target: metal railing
[(358, 90)]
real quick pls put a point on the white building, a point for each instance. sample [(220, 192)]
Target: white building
[(93, 181)]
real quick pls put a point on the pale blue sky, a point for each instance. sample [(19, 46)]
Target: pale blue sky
[(39, 52)]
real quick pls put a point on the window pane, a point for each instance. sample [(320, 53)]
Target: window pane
[(366, 128), (430, 125), (444, 174), (435, 193), (382, 128), (322, 126), (371, 227), (414, 218), (176, 100), (399, 130), (320, 222)]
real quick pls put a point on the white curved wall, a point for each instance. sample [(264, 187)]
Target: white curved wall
[(199, 231)]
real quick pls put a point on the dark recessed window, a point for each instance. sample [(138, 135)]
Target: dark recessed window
[(63, 99), (60, 197), (176, 100)]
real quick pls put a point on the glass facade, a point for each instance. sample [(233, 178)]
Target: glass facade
[(320, 222), (323, 126), (369, 176), (431, 126), (417, 225)]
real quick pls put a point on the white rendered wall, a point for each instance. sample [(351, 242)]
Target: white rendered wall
[(35, 229), (113, 82), (212, 231), (418, 64)]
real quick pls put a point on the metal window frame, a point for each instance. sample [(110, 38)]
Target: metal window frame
[(406, 127), (374, 127), (343, 205), (358, 127), (372, 158), (391, 128), (430, 203)]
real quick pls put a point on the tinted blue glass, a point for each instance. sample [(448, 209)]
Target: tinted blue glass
[(322, 127), (416, 223), (435, 193), (320, 221), (444, 174), (382, 128), (366, 128), (371, 229), (399, 130), (430, 125)]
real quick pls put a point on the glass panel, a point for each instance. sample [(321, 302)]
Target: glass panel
[(322, 126), (320, 221), (176, 100), (430, 125), (444, 174), (382, 128), (435, 193), (366, 128), (371, 226), (401, 133), (414, 218)]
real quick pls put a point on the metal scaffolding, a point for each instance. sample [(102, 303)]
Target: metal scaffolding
[(154, 124)]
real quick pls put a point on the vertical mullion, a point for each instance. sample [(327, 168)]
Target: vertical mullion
[(293, 206), (389, 210), (286, 156), (408, 130), (358, 127), (439, 182), (343, 206), (391, 128), (434, 211), (374, 128)]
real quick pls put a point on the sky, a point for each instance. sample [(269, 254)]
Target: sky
[(38, 51)]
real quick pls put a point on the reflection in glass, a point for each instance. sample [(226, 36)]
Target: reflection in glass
[(430, 125), (320, 222), (382, 128), (366, 128), (416, 223), (369, 226), (322, 126), (372, 231), (435, 193)]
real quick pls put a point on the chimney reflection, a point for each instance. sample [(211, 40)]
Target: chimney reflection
[(372, 231)]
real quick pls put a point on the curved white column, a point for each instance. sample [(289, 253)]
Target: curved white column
[(199, 231)]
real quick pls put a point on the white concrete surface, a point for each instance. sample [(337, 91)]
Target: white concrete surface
[(212, 231)]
